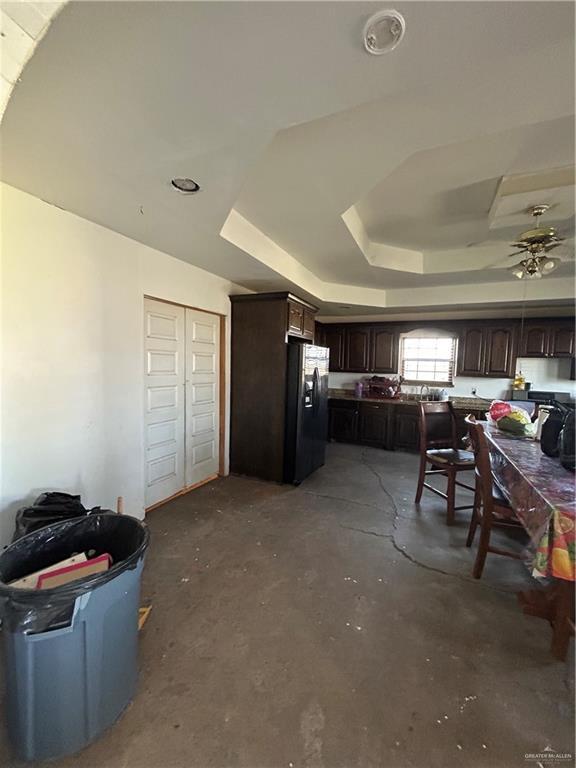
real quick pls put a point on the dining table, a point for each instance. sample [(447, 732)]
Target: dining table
[(542, 494)]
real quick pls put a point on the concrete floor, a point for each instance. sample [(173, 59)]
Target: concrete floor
[(332, 626)]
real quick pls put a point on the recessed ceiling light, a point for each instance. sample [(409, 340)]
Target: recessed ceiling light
[(383, 31), (187, 186)]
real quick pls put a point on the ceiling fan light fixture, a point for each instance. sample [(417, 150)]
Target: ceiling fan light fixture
[(548, 265), (517, 270), (533, 245)]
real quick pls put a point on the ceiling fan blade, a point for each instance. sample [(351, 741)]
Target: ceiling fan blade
[(517, 253)]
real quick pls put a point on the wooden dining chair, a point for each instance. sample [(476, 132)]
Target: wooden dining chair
[(491, 508), (439, 448)]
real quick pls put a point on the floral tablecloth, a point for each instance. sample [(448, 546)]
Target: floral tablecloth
[(543, 497)]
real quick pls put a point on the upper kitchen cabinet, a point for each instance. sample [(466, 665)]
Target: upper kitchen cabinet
[(357, 355), (547, 339), (500, 355), (534, 341), (384, 350), (300, 321), (471, 351), (562, 341), (332, 336), (487, 351)]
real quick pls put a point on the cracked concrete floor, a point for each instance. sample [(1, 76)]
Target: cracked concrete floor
[(332, 625)]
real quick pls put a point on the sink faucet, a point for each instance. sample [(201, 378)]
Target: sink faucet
[(422, 388)]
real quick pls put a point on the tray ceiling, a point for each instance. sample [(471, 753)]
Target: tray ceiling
[(307, 162)]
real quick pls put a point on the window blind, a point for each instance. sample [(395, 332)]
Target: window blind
[(428, 359)]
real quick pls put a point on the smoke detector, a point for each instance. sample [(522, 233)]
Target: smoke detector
[(383, 32)]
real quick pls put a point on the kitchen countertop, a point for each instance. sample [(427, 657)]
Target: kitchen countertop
[(459, 403)]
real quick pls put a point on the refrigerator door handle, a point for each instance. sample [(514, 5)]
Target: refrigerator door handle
[(315, 390)]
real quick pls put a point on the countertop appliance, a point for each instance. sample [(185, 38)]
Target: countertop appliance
[(542, 397), (306, 426)]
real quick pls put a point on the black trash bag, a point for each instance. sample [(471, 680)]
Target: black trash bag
[(551, 429), (50, 507), (567, 443), (122, 537)]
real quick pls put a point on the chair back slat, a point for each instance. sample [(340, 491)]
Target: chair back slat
[(482, 460), (437, 425)]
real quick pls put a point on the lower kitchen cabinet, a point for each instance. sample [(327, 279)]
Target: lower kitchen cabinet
[(373, 424), (406, 431), (343, 421), (383, 425)]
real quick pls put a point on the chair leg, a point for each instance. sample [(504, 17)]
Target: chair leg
[(421, 478), (482, 550), (474, 518), (472, 529), (451, 497)]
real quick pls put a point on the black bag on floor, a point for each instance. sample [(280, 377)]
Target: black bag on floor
[(50, 507)]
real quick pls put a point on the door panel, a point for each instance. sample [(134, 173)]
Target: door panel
[(500, 359), (309, 325), (202, 387), (406, 428), (534, 341), (384, 345), (164, 400), (471, 352), (295, 319), (343, 423), (562, 341), (357, 357), (373, 424), (333, 338)]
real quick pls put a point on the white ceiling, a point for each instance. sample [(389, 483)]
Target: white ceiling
[(287, 124)]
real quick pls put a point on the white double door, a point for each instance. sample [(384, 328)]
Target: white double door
[(181, 389)]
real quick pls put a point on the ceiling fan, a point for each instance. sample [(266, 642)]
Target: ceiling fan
[(534, 245)]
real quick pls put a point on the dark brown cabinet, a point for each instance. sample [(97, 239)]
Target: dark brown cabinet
[(487, 351), (357, 349), (343, 421), (373, 424), (562, 341), (295, 318), (261, 324), (534, 342), (406, 432), (332, 336), (471, 349), (393, 426), (309, 324), (384, 350), (500, 353), (548, 339)]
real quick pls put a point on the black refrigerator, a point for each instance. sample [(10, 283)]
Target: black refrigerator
[(306, 411)]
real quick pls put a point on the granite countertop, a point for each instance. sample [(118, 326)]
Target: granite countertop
[(459, 403)]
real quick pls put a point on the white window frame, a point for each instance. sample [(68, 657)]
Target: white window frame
[(429, 333)]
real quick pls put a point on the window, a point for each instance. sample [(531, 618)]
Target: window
[(428, 359)]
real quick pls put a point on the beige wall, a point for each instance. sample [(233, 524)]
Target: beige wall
[(72, 353)]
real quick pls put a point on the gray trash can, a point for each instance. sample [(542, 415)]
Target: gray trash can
[(71, 652)]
